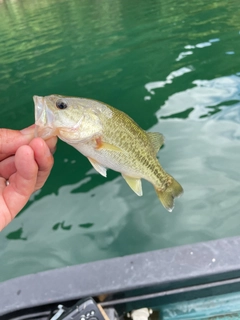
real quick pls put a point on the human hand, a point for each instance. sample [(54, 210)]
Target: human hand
[(25, 164)]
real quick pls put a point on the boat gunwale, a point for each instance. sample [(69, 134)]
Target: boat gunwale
[(183, 271)]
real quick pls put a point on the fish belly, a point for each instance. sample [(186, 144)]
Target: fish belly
[(110, 160)]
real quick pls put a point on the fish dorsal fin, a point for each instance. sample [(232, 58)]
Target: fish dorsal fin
[(98, 167), (157, 140), (134, 183)]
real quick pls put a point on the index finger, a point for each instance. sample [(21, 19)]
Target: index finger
[(11, 140)]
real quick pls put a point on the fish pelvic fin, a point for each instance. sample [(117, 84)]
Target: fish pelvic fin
[(156, 139), (174, 190), (98, 167), (135, 184)]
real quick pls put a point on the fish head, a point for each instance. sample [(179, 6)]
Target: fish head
[(57, 115)]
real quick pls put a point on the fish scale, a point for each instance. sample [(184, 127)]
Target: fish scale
[(140, 147)]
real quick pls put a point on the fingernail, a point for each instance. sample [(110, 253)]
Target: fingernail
[(52, 150), (48, 152), (28, 131)]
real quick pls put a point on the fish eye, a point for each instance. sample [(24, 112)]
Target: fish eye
[(61, 104)]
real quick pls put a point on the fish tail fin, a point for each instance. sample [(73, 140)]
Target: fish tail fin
[(167, 196)]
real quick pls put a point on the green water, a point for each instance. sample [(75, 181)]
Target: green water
[(173, 66), (222, 307)]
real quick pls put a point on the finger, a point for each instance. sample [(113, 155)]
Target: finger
[(7, 167), (22, 185), (11, 140), (2, 186), (3, 156), (44, 160), (5, 217)]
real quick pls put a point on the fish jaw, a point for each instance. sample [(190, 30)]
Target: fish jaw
[(44, 119)]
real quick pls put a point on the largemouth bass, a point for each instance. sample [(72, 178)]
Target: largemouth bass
[(109, 139)]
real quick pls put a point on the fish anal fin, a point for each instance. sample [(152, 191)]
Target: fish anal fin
[(157, 140), (100, 144), (98, 167), (174, 190), (134, 183)]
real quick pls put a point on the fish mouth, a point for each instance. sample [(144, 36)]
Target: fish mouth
[(44, 119)]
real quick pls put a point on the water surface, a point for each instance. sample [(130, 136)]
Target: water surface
[(172, 66)]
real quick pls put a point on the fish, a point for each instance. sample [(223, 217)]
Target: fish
[(110, 139)]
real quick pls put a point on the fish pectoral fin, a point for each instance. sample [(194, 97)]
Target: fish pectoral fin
[(134, 183), (157, 140), (98, 167), (111, 147), (105, 145)]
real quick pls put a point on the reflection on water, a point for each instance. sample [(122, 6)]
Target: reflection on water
[(184, 54), (172, 66), (206, 98), (62, 226), (16, 235), (160, 84), (86, 225)]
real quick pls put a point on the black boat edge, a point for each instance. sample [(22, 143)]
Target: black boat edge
[(156, 277)]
